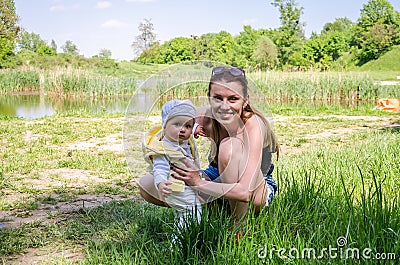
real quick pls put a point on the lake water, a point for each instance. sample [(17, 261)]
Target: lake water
[(36, 106)]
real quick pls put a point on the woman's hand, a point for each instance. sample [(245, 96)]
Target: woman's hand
[(163, 190), (187, 172), (200, 131)]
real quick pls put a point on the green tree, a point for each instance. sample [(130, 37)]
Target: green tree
[(9, 30), (266, 53), (222, 45), (290, 34), (246, 43), (201, 46), (152, 55), (53, 45), (178, 50), (30, 41), (6, 51), (377, 30), (339, 25), (146, 38), (217, 47), (378, 11), (8, 20), (70, 48), (290, 15), (377, 40), (105, 54), (46, 50), (321, 51)]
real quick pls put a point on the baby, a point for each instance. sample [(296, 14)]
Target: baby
[(172, 144)]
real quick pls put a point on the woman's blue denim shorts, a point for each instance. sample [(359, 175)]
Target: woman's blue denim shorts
[(213, 173)]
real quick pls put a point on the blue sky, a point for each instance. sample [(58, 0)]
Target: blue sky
[(93, 25)]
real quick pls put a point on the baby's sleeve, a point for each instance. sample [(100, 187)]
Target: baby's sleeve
[(161, 169)]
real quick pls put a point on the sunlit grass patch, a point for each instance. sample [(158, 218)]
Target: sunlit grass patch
[(326, 193), (343, 184)]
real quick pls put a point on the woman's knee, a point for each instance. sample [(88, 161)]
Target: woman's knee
[(229, 149), (143, 193), (148, 191), (229, 159)]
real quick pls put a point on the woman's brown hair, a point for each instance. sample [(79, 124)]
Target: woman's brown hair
[(227, 77)]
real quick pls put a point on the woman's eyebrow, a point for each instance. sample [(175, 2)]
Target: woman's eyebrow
[(229, 95)]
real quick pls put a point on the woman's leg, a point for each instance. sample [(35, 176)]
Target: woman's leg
[(149, 192), (231, 166)]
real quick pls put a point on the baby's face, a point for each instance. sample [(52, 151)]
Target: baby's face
[(179, 128)]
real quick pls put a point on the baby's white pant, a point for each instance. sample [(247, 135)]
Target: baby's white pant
[(186, 205)]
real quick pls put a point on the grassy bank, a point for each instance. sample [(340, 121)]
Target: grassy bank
[(338, 178)]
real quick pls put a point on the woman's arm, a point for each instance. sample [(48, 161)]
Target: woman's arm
[(243, 180), (191, 176), (203, 119), (254, 140)]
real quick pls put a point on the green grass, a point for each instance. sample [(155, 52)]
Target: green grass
[(339, 186), (320, 108), (45, 151), (325, 194), (387, 64)]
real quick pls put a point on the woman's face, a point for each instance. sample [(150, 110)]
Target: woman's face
[(227, 101)]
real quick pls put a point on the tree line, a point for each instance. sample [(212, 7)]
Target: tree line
[(339, 44)]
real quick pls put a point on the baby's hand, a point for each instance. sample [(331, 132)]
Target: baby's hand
[(199, 132), (163, 190)]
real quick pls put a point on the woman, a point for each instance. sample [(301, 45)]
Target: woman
[(244, 146)]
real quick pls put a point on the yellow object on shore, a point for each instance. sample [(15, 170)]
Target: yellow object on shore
[(388, 104)]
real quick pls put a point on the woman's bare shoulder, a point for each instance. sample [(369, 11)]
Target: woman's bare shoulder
[(255, 122)]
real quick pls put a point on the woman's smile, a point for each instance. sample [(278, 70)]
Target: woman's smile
[(226, 101), (225, 113)]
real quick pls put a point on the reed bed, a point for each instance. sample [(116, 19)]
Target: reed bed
[(19, 81), (65, 82), (322, 86), (83, 83), (189, 83)]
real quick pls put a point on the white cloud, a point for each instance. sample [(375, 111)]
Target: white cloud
[(103, 4), (140, 1), (114, 24), (57, 8), (249, 21)]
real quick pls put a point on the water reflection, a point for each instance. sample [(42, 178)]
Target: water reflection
[(37, 106)]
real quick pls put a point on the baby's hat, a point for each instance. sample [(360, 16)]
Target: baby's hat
[(175, 108)]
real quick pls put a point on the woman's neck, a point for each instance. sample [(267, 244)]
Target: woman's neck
[(231, 130)]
